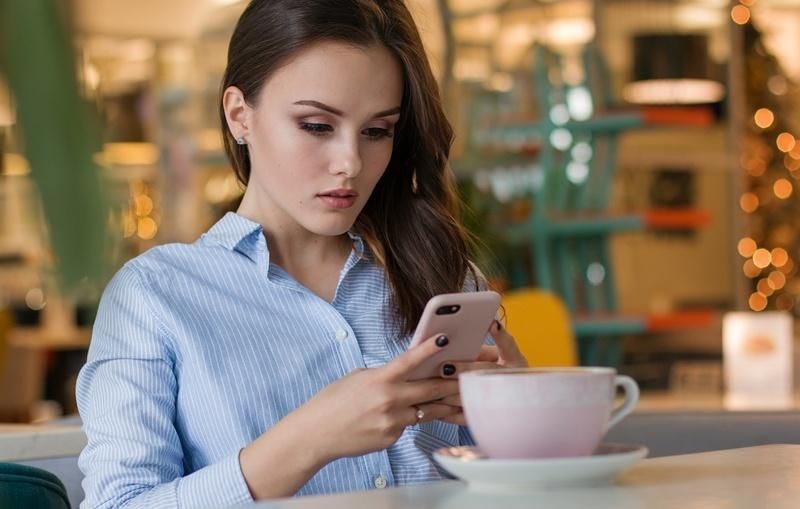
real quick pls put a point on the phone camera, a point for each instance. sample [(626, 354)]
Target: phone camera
[(448, 310)]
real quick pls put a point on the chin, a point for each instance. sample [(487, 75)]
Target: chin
[(330, 227)]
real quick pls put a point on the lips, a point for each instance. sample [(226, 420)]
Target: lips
[(339, 198)]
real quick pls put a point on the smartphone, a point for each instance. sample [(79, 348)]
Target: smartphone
[(464, 318)]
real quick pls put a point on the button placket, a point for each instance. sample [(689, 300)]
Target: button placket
[(380, 482), (341, 334)]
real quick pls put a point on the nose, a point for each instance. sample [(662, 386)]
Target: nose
[(347, 160)]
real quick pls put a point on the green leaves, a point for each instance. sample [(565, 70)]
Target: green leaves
[(36, 57)]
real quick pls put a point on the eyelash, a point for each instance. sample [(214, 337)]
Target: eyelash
[(325, 129)]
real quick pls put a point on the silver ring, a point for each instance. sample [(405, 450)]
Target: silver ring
[(420, 414)]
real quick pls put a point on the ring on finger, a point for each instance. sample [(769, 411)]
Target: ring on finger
[(419, 414)]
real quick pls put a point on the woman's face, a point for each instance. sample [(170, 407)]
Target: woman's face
[(321, 136)]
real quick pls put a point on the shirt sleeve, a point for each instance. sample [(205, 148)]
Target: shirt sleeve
[(126, 395)]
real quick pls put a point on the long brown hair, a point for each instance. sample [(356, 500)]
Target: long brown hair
[(410, 220)]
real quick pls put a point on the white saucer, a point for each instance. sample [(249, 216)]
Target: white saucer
[(470, 465)]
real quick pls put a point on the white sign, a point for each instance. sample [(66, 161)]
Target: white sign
[(757, 353)]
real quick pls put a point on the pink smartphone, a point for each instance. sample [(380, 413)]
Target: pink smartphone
[(464, 318)]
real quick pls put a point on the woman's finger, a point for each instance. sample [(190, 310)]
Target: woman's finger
[(454, 400), (457, 419), (429, 412), (488, 353), (510, 356)]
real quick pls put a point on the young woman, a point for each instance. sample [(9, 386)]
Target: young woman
[(269, 358)]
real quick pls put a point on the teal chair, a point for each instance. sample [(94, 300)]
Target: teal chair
[(31, 488)]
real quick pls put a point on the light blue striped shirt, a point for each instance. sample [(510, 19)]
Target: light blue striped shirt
[(199, 348)]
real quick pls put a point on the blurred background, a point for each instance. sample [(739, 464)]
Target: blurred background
[(630, 167)]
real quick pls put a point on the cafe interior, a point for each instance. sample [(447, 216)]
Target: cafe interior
[(630, 168)]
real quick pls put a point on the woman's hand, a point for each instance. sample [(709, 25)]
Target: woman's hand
[(505, 355), (368, 409)]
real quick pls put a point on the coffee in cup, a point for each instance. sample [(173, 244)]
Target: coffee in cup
[(543, 412)]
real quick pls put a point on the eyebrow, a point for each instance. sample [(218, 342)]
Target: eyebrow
[(334, 111)]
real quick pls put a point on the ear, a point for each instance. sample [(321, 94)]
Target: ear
[(237, 112)]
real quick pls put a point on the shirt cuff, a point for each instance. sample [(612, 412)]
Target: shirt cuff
[(464, 436), (219, 485)]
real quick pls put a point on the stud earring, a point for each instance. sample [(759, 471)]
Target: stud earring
[(240, 141)]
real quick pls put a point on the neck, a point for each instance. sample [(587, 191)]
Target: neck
[(291, 246)]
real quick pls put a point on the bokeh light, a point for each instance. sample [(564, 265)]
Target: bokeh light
[(785, 142), (747, 247), (757, 301), (762, 258), (749, 202), (764, 118), (740, 14), (783, 188)]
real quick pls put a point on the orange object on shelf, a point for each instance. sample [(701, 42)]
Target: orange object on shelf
[(676, 218), (679, 320), (677, 115)]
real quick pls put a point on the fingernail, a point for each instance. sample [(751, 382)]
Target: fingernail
[(448, 369), (442, 341)]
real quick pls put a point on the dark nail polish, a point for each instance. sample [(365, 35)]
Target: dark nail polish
[(499, 325), (448, 369), (442, 341)]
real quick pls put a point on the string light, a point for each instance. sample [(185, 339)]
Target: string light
[(740, 14), (782, 188), (757, 301), (749, 202), (747, 247), (762, 258), (764, 118), (779, 257), (785, 142)]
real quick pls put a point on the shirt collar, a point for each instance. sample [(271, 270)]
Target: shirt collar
[(237, 233)]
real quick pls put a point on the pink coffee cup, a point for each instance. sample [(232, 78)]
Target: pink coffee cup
[(543, 412)]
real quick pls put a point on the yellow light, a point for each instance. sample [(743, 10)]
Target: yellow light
[(747, 247), (788, 267), (791, 163), (146, 228), (749, 202), (783, 188), (764, 118), (15, 165), (758, 302), (776, 280), (142, 205), (750, 269), (740, 14), (747, 2), (764, 287), (779, 257), (129, 154), (128, 225), (785, 142), (762, 258)]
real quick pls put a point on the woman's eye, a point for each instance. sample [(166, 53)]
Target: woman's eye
[(377, 133), (316, 129)]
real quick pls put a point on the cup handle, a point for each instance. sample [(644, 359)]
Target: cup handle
[(631, 389)]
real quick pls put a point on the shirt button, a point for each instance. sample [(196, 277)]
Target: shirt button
[(380, 482), (341, 334)]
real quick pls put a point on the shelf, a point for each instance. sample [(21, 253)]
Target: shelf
[(607, 324), (596, 224)]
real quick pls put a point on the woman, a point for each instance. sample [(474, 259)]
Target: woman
[(269, 357)]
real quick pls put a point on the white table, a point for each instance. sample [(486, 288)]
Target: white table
[(23, 442), (749, 478)]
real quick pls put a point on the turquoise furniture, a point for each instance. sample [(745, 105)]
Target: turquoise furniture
[(571, 151), (24, 486)]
